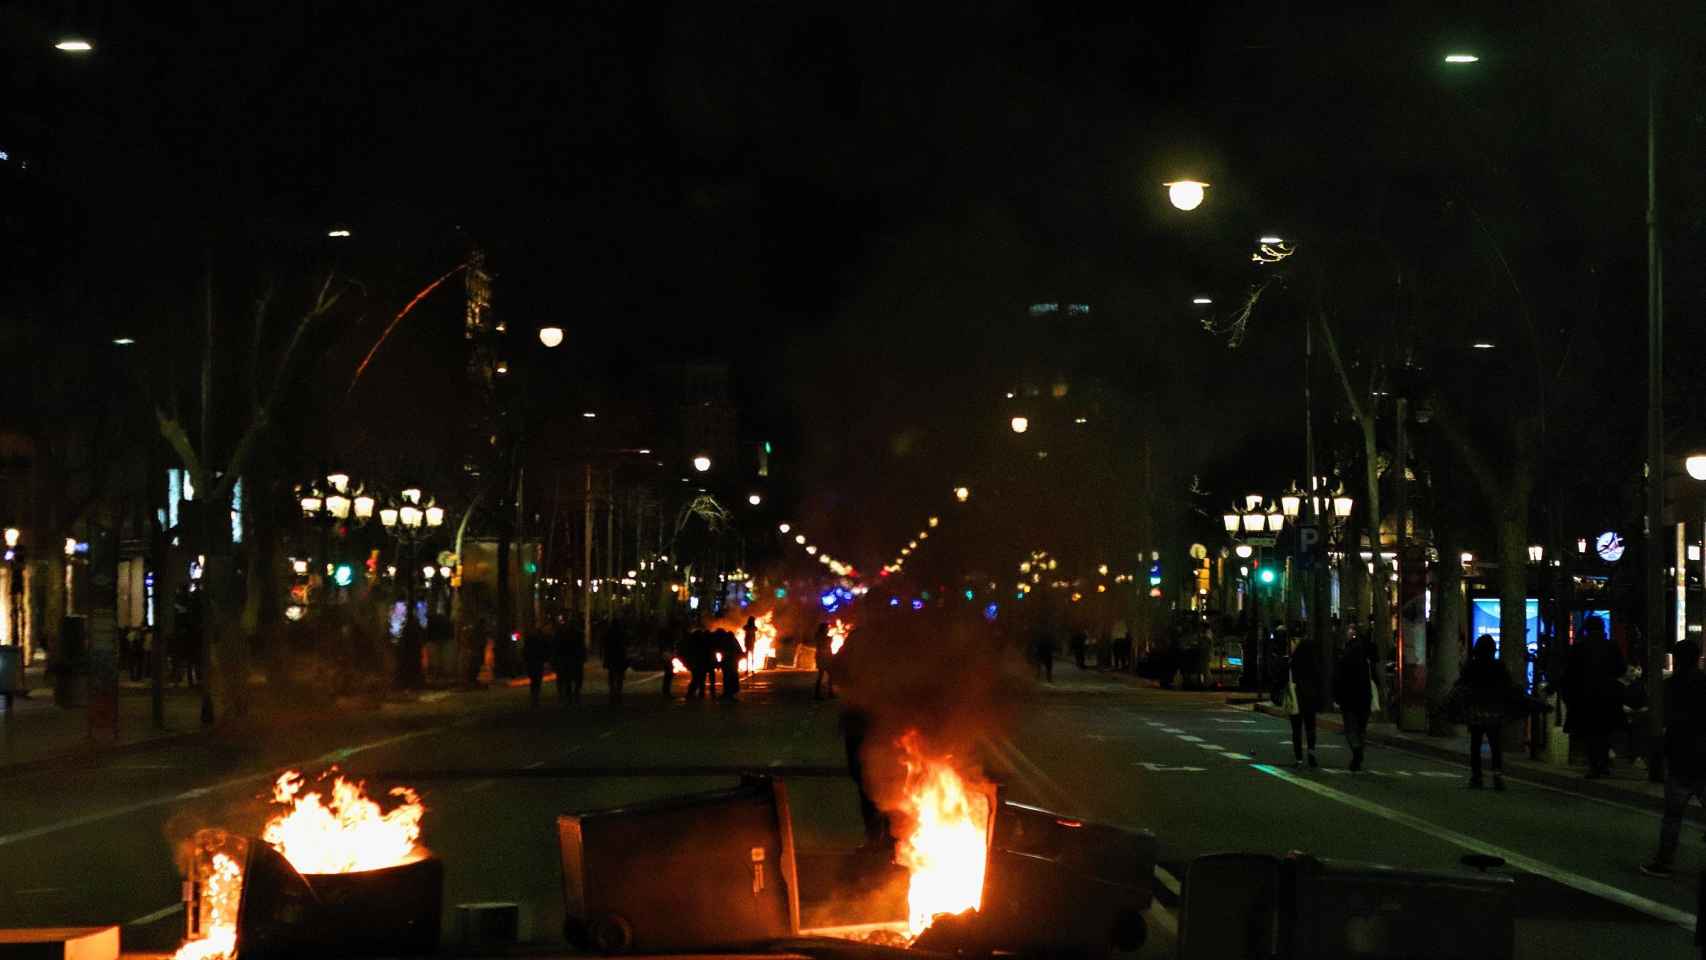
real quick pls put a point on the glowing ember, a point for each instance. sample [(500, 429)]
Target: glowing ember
[(348, 833), (837, 636), (946, 839), (222, 892)]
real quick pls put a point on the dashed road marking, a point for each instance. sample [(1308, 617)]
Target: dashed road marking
[(1237, 756), (1167, 768), (1211, 746), (1190, 739)]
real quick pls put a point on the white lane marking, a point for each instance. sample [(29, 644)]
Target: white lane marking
[(1237, 756), (1168, 880), (159, 914), (1219, 720), (1211, 746), (606, 734), (1568, 878), (535, 765), (191, 794), (1323, 746), (1164, 768), (477, 786), (1190, 739), (1164, 919), (1172, 730)]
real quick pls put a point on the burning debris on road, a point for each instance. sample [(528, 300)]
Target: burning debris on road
[(944, 842)]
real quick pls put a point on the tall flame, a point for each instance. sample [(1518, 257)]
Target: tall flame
[(347, 834), (222, 892), (838, 632), (946, 844)]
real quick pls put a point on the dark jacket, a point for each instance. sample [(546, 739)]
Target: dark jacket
[(1685, 715), (1489, 695), (1592, 688), (616, 647), (1306, 677), (1354, 676)]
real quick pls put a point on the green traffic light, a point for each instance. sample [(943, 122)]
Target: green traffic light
[(1267, 575)]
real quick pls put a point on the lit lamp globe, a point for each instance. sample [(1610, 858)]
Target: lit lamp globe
[(1231, 521), (1696, 465), (962, 494), (434, 515), (1185, 194), (551, 337), (1020, 424), (701, 463), (338, 506)]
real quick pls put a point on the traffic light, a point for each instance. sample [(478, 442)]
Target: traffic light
[(1266, 575)]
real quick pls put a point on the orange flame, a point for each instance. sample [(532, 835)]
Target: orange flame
[(222, 892), (838, 632), (946, 844), (347, 834)]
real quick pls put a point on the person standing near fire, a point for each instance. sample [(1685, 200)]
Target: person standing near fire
[(616, 658), (824, 647)]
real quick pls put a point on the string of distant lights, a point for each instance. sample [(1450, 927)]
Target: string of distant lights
[(837, 567), (962, 493)]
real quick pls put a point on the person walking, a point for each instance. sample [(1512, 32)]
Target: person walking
[(1044, 654), (1488, 696), (616, 658), (1303, 695), (1685, 752), (1079, 644), (1593, 694), (725, 643), (824, 649), (570, 660), (535, 651), (1354, 686)]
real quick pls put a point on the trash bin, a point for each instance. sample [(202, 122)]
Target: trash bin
[(696, 872), (1056, 886), (1303, 906)]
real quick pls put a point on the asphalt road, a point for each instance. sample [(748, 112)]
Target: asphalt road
[(94, 843)]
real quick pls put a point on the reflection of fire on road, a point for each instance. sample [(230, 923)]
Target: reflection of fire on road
[(837, 636), (944, 842), (347, 833)]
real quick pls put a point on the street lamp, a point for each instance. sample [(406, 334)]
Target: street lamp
[(551, 337), (1020, 424), (1230, 518), (1291, 501), (11, 537), (962, 494), (754, 499), (1253, 522), (1276, 521), (1461, 58), (409, 523), (701, 463), (74, 45), (1186, 195), (1696, 465), (783, 527), (1536, 552)]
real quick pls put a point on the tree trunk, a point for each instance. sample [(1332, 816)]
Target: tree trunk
[(1513, 599), (1445, 656)]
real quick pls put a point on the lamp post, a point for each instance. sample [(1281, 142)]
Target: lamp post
[(410, 520)]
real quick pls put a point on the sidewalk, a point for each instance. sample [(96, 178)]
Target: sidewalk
[(1627, 784)]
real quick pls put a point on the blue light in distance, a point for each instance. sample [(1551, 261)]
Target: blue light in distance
[(990, 611), (343, 575), (829, 600), (970, 595), (917, 604), (894, 601)]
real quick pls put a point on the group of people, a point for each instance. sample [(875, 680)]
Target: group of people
[(1355, 688), (564, 647), (706, 652)]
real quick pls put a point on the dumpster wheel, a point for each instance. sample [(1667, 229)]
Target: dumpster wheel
[(609, 933)]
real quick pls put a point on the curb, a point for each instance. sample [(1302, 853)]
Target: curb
[(1556, 780)]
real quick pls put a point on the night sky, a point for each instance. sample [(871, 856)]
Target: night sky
[(854, 206)]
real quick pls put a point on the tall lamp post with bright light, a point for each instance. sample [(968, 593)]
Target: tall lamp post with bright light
[(410, 520), (1186, 195)]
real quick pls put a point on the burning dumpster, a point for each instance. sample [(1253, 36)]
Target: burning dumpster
[(706, 870), (997, 867), (1303, 906), (338, 872)]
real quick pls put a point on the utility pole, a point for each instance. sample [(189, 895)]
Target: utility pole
[(586, 564), (1652, 577)]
